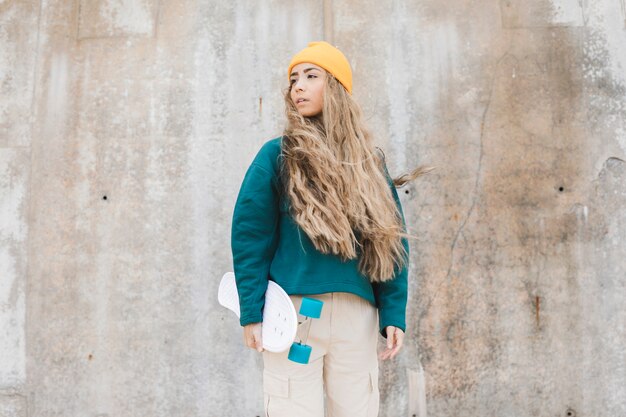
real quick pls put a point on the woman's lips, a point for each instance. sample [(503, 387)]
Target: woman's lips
[(301, 102)]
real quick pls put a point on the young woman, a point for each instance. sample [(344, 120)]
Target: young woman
[(318, 214)]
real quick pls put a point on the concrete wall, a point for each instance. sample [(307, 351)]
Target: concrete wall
[(125, 131)]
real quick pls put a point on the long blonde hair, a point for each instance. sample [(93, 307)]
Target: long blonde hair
[(337, 186)]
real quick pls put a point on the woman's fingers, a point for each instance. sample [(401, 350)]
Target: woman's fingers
[(391, 335), (399, 336), (390, 353), (395, 337), (252, 336), (258, 338)]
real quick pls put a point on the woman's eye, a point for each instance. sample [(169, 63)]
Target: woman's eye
[(311, 75), (291, 81)]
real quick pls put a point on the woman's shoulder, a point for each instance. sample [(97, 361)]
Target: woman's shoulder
[(268, 154), (272, 146)]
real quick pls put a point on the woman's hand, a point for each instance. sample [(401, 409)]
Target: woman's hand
[(252, 336), (394, 343)]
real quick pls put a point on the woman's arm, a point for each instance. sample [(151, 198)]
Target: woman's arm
[(253, 239), (391, 296)]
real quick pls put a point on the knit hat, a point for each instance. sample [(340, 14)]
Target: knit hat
[(328, 57)]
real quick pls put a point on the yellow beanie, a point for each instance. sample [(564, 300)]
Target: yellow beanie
[(328, 57)]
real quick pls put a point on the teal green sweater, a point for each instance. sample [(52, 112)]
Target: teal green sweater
[(268, 244)]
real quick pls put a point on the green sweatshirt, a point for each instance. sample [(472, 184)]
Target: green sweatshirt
[(267, 244)]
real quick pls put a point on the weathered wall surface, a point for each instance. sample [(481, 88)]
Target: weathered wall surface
[(125, 131)]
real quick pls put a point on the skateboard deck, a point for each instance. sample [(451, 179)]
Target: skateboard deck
[(280, 320)]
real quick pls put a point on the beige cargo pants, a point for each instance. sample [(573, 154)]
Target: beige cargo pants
[(341, 378)]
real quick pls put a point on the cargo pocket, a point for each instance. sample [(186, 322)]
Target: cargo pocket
[(276, 393), (373, 401)]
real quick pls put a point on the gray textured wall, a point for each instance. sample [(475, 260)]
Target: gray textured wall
[(125, 131)]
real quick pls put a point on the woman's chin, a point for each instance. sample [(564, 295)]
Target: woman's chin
[(308, 114)]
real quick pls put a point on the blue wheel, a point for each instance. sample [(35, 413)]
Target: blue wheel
[(311, 307), (299, 353)]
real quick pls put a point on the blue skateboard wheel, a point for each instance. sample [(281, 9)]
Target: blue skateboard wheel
[(299, 353), (311, 307)]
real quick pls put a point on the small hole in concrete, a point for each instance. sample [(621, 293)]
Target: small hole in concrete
[(406, 191), (561, 189), (104, 198)]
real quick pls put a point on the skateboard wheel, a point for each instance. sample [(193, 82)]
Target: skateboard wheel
[(311, 307), (299, 353)]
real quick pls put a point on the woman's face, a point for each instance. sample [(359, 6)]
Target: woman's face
[(307, 88)]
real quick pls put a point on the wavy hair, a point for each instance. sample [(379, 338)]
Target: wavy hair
[(337, 184)]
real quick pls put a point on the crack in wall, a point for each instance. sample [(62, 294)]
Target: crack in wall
[(476, 184)]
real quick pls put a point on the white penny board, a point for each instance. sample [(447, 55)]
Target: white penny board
[(280, 320)]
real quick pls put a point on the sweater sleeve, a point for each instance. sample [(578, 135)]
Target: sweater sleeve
[(391, 296), (253, 240)]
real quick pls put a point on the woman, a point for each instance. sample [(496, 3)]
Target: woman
[(318, 214)]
